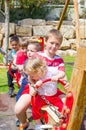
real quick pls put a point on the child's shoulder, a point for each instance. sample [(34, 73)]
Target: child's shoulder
[(39, 54), (11, 54), (58, 58), (12, 51), (19, 53)]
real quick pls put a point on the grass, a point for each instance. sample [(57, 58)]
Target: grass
[(68, 58), (3, 81), (3, 74)]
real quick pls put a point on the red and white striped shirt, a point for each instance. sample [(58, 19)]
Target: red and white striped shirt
[(53, 66)]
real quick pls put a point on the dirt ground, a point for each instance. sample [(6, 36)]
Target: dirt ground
[(7, 116)]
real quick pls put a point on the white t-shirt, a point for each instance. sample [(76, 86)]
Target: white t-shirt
[(49, 88)]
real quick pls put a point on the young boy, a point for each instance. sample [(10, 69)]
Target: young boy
[(14, 41), (19, 60), (21, 55)]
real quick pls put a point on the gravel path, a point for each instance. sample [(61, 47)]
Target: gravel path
[(7, 116)]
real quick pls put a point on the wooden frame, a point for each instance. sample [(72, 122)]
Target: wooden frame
[(78, 87), (78, 78)]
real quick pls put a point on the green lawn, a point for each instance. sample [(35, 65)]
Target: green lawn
[(1, 58), (68, 58), (3, 81), (3, 74)]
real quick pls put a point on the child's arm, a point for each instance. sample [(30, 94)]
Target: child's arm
[(16, 66), (32, 91), (66, 81), (38, 84), (60, 75)]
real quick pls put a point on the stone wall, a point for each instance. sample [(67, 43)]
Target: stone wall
[(34, 28)]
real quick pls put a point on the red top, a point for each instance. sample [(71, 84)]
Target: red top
[(20, 58)]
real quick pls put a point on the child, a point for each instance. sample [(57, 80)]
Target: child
[(53, 42), (19, 60), (22, 100), (14, 41), (32, 48), (21, 55), (37, 70)]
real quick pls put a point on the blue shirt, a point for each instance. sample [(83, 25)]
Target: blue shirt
[(11, 54), (23, 84)]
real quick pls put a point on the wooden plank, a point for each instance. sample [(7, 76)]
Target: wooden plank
[(78, 87), (81, 59), (76, 13), (52, 114)]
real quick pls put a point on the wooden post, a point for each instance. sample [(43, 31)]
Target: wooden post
[(76, 20), (63, 13), (6, 28), (78, 87), (78, 80)]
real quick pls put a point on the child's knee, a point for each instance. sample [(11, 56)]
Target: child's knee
[(17, 110)]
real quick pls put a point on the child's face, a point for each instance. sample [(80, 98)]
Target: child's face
[(34, 77), (31, 49), (24, 49), (15, 45), (52, 45)]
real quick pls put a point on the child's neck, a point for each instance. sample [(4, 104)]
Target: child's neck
[(49, 55)]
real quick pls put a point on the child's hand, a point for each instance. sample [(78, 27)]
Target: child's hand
[(14, 67), (66, 86), (38, 84), (32, 91), (54, 79), (20, 70)]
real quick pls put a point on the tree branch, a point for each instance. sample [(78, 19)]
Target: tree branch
[(2, 13)]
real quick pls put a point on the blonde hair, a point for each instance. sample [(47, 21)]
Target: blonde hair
[(35, 65), (56, 33)]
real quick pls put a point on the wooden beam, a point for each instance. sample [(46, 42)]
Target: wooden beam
[(76, 20), (78, 88), (63, 14)]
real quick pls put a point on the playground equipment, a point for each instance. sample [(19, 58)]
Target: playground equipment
[(58, 120), (78, 79), (78, 88)]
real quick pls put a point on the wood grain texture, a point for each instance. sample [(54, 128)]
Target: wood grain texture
[(78, 87)]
